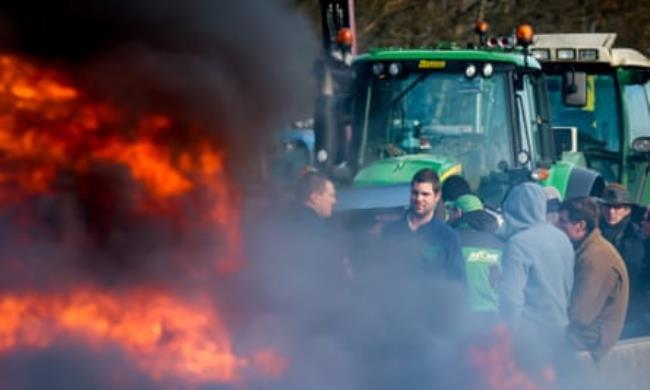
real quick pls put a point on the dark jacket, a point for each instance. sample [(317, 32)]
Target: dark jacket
[(600, 296), (303, 220), (628, 240), (306, 256), (482, 251), (433, 249), (538, 264)]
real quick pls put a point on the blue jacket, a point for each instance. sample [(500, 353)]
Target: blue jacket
[(434, 249), (538, 261)]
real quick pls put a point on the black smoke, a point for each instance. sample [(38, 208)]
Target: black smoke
[(228, 73)]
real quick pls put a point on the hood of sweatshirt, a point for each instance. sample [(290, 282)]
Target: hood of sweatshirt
[(524, 207)]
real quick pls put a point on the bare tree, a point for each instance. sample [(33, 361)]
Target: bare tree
[(422, 23)]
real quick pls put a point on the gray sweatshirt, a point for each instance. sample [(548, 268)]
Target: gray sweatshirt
[(538, 261)]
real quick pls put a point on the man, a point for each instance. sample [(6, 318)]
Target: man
[(482, 251), (617, 227), (537, 265), (309, 239), (454, 187), (425, 243), (315, 195), (601, 286)]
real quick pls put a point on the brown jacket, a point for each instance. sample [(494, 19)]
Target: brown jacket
[(600, 296)]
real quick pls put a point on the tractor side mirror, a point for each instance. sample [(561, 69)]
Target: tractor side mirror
[(574, 89), (565, 140)]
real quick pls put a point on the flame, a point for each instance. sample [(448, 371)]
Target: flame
[(47, 126), (164, 335), (269, 363), (499, 370)]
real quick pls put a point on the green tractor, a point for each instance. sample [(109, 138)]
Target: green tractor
[(482, 112), (600, 102)]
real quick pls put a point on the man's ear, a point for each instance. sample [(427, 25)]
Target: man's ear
[(582, 225), (436, 195), (311, 198)]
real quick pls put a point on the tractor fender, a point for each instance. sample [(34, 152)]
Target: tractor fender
[(584, 182)]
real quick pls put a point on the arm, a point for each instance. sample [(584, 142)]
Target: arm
[(592, 286), (455, 259), (513, 283), (635, 255)]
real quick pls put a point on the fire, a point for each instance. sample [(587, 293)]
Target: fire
[(269, 363), (499, 370), (164, 335), (49, 128)]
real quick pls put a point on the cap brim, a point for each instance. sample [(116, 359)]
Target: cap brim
[(613, 203)]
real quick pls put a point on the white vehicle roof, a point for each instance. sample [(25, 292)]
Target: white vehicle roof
[(601, 42)]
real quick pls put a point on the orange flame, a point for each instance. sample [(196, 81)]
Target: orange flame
[(499, 370), (269, 363), (48, 126), (166, 336)]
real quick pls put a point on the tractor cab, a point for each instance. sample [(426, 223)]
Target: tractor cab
[(600, 104), (479, 113)]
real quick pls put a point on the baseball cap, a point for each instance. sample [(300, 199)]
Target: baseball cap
[(468, 203)]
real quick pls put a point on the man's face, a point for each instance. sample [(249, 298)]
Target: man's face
[(613, 214), (423, 199), (323, 202), (575, 230)]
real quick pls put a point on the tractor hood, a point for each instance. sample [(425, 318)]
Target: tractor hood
[(401, 169)]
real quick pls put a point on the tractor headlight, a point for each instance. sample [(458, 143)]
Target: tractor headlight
[(488, 69), (566, 54), (523, 157), (470, 71), (588, 54), (394, 69), (321, 156), (542, 54), (377, 68), (506, 43)]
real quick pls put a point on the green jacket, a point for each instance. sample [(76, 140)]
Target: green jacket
[(482, 252)]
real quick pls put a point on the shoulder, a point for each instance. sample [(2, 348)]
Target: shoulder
[(634, 232), (601, 253), (442, 230), (544, 232), (472, 237), (399, 226), (542, 237)]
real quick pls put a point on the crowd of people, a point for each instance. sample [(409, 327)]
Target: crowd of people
[(574, 268)]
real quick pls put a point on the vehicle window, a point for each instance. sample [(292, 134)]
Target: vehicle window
[(444, 114), (528, 119), (638, 110), (598, 121)]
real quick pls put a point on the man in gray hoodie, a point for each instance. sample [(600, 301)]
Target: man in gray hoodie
[(538, 261)]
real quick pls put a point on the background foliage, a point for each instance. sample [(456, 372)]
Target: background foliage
[(422, 23)]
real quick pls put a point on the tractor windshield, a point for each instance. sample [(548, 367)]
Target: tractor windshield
[(442, 113), (598, 122)]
